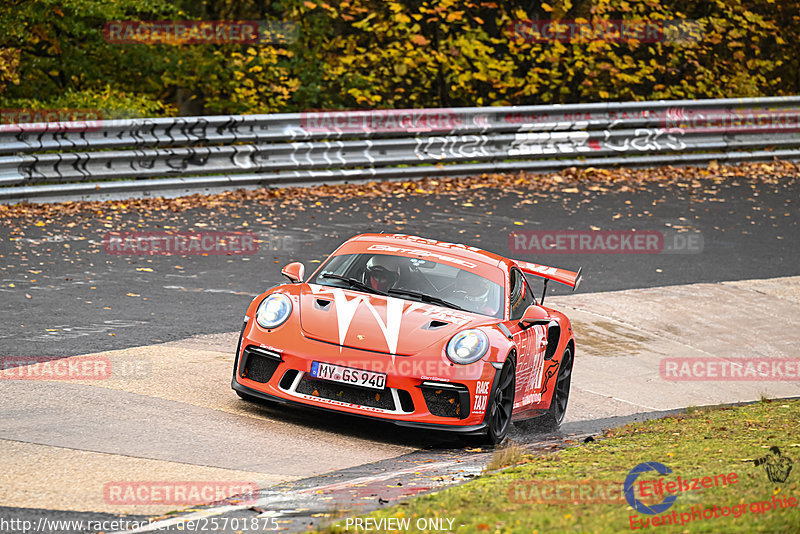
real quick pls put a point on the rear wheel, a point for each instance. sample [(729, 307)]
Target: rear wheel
[(558, 406), (554, 416)]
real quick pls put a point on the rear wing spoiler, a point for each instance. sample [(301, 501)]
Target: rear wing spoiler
[(562, 276)]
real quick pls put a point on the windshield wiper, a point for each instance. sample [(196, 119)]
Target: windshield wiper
[(425, 297), (354, 283)]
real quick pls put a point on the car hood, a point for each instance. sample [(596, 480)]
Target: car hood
[(373, 322)]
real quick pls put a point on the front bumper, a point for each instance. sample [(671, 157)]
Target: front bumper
[(452, 398), (460, 429)]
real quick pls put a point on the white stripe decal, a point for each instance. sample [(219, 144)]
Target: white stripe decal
[(346, 309), (391, 328)]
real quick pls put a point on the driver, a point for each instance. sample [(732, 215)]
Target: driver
[(382, 272), (475, 292)]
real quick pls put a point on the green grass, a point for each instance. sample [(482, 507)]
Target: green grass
[(508, 454), (705, 442)]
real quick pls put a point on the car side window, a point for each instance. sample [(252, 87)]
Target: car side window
[(521, 295)]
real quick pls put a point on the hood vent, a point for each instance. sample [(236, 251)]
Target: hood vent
[(434, 324)]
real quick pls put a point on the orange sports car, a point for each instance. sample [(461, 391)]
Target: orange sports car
[(422, 333)]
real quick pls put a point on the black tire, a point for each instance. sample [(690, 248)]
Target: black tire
[(558, 406), (498, 414)]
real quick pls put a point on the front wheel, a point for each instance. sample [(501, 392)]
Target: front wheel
[(499, 412)]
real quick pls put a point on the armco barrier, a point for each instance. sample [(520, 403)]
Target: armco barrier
[(132, 157)]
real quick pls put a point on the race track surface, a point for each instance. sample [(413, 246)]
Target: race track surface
[(169, 325)]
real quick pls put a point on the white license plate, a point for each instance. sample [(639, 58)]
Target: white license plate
[(348, 375)]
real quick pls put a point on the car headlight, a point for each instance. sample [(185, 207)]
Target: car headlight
[(468, 346), (274, 310)]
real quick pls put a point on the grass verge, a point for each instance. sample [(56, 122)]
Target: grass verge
[(581, 488)]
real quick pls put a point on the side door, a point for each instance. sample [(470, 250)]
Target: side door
[(530, 342)]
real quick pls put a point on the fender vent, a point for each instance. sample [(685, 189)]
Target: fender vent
[(322, 304), (553, 336)]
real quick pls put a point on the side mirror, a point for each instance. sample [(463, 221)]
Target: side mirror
[(294, 272), (534, 315)]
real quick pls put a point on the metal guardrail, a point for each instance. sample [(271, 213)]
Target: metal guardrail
[(135, 157)]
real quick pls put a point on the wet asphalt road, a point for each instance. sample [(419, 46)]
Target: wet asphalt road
[(61, 294)]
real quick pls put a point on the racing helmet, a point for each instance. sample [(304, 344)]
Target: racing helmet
[(476, 288), (382, 272)]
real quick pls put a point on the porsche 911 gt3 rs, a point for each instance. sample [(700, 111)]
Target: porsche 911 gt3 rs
[(418, 332)]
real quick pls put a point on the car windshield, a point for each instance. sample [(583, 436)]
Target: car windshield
[(413, 279)]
